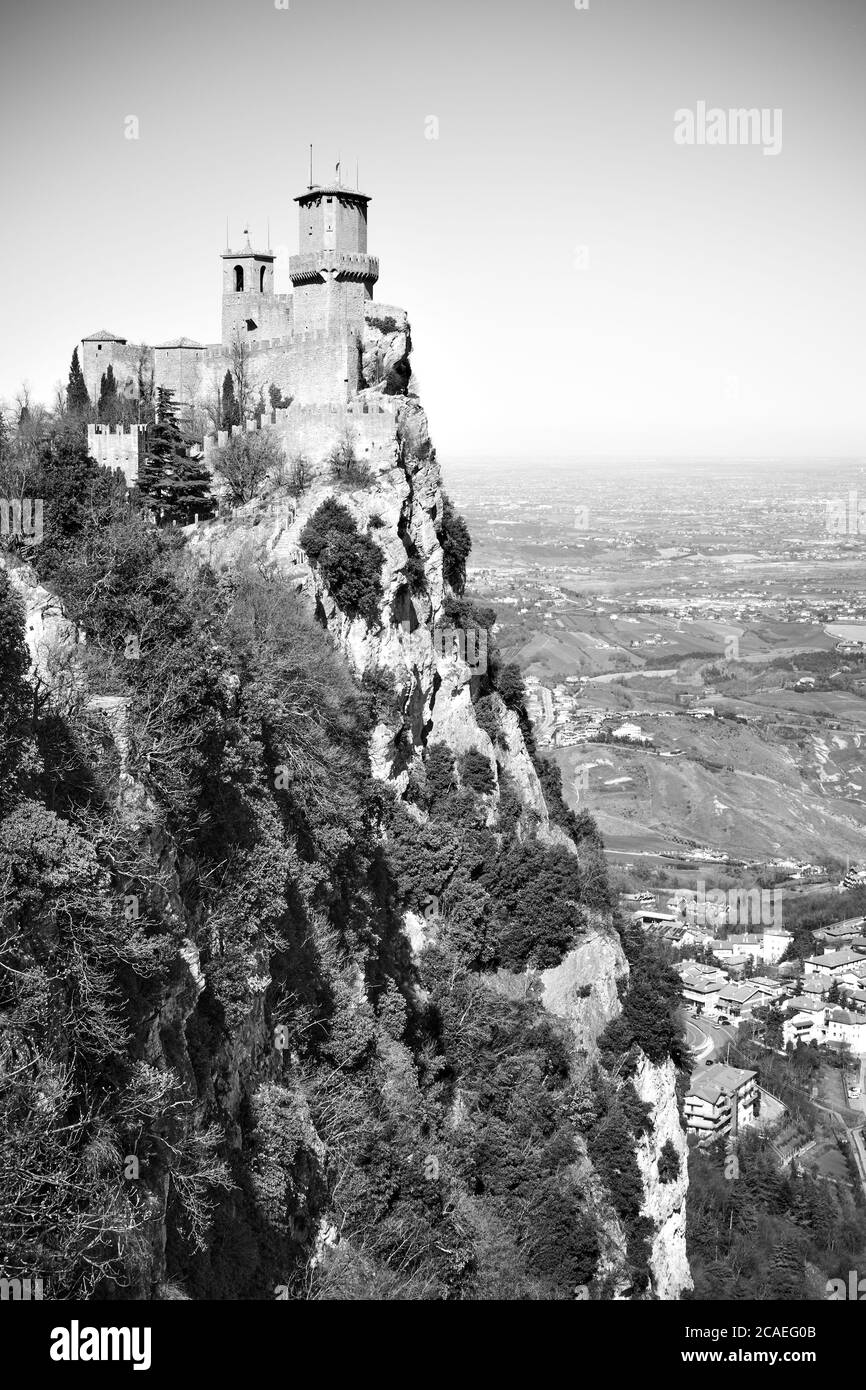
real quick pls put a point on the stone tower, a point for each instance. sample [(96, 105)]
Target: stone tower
[(332, 274), (248, 293)]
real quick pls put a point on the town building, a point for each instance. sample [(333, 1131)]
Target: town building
[(720, 1100), (816, 985), (833, 1027), (746, 944), (701, 989), (846, 1027), (738, 1001), (841, 933), (805, 1026), (631, 733), (848, 963), (765, 948)]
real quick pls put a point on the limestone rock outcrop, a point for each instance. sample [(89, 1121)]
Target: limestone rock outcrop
[(664, 1202)]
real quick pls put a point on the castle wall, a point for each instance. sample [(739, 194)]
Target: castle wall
[(271, 313), (312, 430), (324, 366), (117, 448), (318, 306), (180, 370)]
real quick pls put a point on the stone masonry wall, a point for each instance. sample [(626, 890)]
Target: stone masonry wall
[(117, 448), (313, 429), (124, 359)]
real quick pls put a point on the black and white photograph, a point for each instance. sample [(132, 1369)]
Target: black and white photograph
[(432, 679)]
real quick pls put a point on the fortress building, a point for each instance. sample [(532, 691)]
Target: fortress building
[(320, 346)]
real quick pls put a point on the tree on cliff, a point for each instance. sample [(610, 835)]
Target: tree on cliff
[(456, 544), (77, 399), (108, 403), (175, 486), (350, 563)]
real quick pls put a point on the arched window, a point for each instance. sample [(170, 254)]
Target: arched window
[(262, 280), (239, 277)]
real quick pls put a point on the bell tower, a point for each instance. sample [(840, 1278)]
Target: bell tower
[(332, 274), (248, 292)]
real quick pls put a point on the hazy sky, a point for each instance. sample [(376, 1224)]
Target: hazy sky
[(718, 305)]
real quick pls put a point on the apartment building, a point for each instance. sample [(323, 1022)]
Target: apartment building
[(720, 1100)]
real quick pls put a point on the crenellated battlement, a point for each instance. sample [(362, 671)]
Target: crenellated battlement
[(302, 338), (309, 266), (118, 446), (94, 430), (359, 409), (313, 429)]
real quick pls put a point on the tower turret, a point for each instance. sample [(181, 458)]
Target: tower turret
[(248, 291), (332, 274)]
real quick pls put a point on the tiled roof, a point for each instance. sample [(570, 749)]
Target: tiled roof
[(180, 343), (843, 1016), (103, 336), (832, 959), (719, 1080)]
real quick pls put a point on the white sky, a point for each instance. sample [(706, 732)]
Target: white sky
[(721, 308)]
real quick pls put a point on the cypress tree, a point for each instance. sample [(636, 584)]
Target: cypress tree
[(230, 411), (107, 408), (77, 399)]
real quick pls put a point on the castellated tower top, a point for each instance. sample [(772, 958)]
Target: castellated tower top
[(332, 218), (332, 274)]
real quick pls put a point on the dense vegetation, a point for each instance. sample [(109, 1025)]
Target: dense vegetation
[(769, 1233), (213, 811), (349, 563)]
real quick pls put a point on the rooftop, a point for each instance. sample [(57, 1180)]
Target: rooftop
[(844, 1016), (738, 994), (719, 1080), (103, 336), (702, 984), (805, 1004), (832, 959), (332, 190)]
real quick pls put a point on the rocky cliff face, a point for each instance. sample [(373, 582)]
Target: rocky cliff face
[(401, 509), (665, 1202), (582, 990), (51, 638)]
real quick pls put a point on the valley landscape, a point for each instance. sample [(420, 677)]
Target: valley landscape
[(719, 612)]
